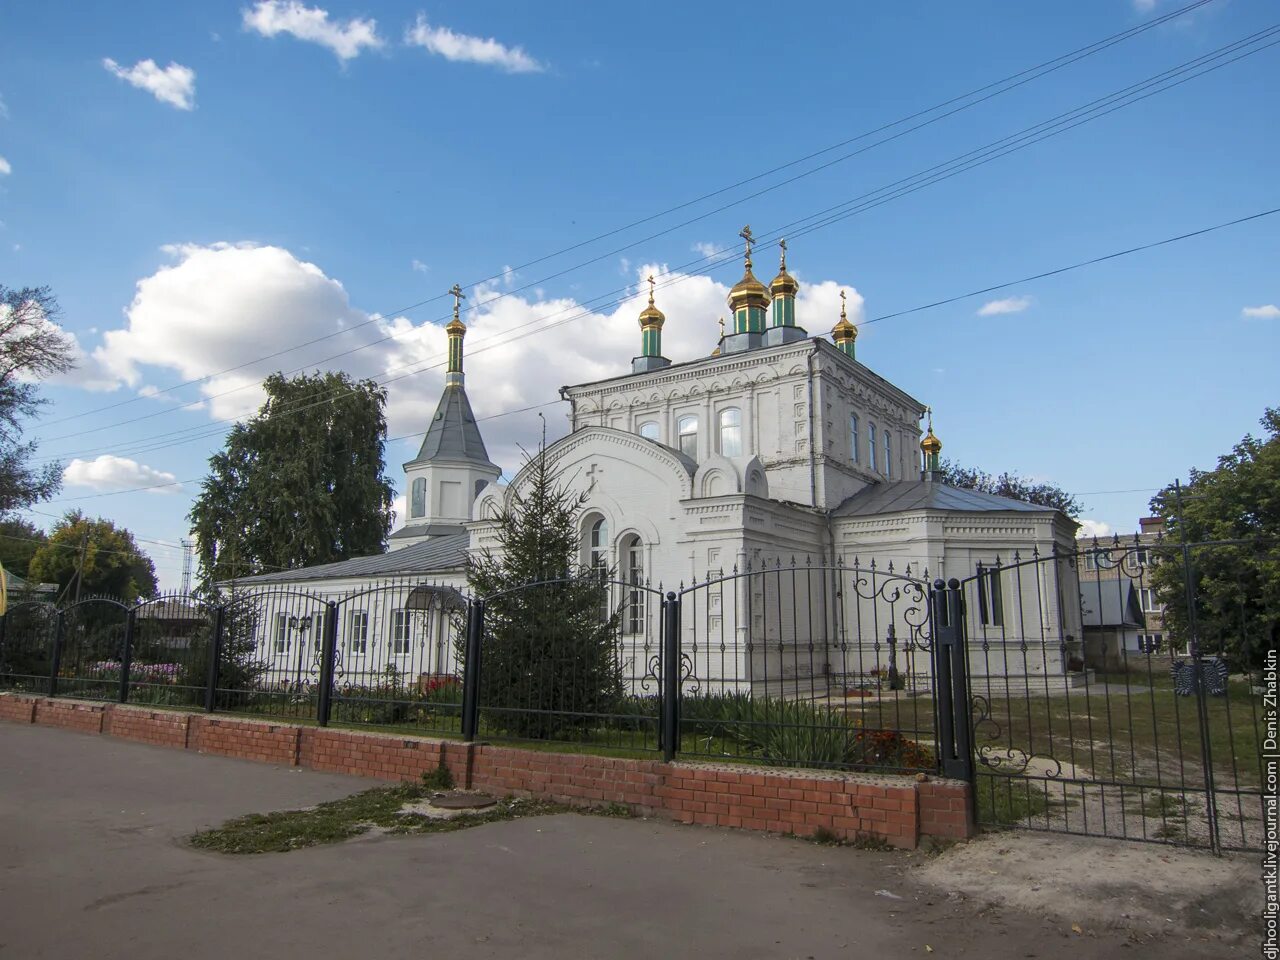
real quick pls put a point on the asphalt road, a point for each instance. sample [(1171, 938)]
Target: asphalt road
[(93, 864)]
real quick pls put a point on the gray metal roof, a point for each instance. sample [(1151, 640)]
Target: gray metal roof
[(453, 434), (901, 495), (427, 530), (1111, 603), (431, 556)]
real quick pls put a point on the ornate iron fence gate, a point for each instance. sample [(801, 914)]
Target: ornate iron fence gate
[(1101, 707)]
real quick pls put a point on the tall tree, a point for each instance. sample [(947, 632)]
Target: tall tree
[(32, 347), (19, 540), (300, 483), (549, 659), (94, 557), (1011, 485), (1236, 584)]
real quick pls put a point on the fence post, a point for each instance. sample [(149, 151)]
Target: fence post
[(669, 732), (126, 655), (56, 659), (955, 747), (215, 656), (328, 657), (471, 670)]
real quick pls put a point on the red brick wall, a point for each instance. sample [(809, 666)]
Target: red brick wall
[(897, 809), (159, 727)]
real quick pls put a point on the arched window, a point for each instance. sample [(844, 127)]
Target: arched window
[(871, 443), (687, 428), (649, 430), (598, 547), (853, 438), (418, 502), (633, 573), (731, 432), (888, 455)]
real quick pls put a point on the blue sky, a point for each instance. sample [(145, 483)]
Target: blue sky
[(281, 172)]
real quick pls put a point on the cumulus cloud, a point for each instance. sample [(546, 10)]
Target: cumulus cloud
[(174, 84), (346, 38), (5, 168), (1094, 528), (994, 308), (1267, 311), (464, 48), (117, 473), (418, 266), (197, 316)]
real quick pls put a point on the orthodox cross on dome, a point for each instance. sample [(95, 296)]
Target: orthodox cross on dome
[(842, 313), (721, 322), (651, 284), (749, 237), (783, 244), (458, 296)]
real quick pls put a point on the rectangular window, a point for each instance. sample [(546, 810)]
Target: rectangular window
[(854, 452), (358, 631), (1150, 642), (1147, 597), (401, 631), (1091, 561), (888, 455), (282, 633), (990, 601), (1140, 557), (871, 443)]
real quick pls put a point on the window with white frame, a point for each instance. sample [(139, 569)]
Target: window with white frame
[(598, 547), (1147, 598), (418, 499), (358, 631), (871, 444), (990, 599), (731, 432), (1150, 642), (650, 430), (854, 453), (888, 454), (687, 430), (401, 631), (281, 643), (633, 557)]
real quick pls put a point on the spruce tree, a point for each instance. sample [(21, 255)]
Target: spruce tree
[(549, 662)]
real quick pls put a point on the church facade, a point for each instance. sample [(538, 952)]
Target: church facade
[(778, 450)]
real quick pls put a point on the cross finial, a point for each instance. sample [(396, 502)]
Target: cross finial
[(458, 297), (748, 236), (651, 289), (842, 313), (721, 322), (929, 412), (783, 244)]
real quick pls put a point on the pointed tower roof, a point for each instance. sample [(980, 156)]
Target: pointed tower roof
[(454, 435)]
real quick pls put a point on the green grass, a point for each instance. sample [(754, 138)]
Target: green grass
[(1005, 801), (339, 820)]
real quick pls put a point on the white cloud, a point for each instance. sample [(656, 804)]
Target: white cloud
[(1093, 528), (1145, 6), (174, 85), (418, 266), (468, 49), (347, 39), (4, 109), (1009, 305), (399, 511), (1268, 311), (5, 168), (117, 473), (198, 316), (712, 252)]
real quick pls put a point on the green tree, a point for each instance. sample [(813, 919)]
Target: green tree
[(19, 540), (94, 557), (1011, 485), (32, 347), (549, 657), (1236, 585), (301, 483)]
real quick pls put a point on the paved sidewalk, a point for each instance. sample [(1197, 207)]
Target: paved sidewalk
[(93, 864)]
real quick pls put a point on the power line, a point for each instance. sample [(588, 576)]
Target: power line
[(1037, 133), (996, 88), (900, 313)]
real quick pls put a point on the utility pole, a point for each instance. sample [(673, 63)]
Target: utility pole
[(187, 551)]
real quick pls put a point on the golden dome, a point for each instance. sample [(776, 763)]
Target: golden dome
[(843, 331), (456, 326), (930, 443), (784, 284), (748, 292), (651, 316)]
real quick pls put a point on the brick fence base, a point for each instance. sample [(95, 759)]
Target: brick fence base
[(897, 809)]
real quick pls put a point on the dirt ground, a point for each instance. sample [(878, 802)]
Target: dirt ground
[(94, 863)]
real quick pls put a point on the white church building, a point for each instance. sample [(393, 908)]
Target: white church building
[(778, 448)]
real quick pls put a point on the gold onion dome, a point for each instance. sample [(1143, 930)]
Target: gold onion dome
[(843, 330), (930, 443), (748, 292), (784, 284), (651, 316)]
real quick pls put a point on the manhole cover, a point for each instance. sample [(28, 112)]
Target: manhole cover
[(457, 800)]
